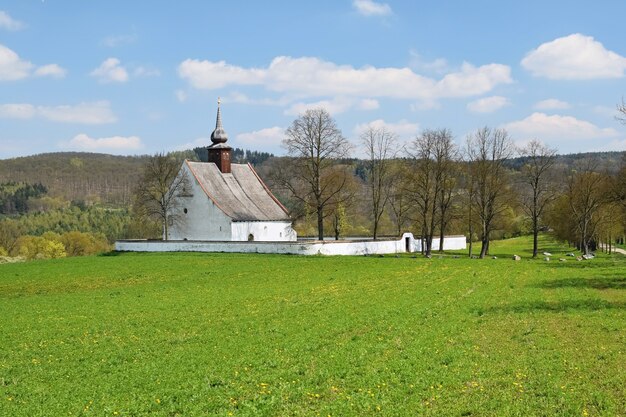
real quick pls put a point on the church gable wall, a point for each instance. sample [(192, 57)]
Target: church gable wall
[(196, 215), (263, 231)]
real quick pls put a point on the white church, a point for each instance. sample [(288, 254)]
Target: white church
[(226, 202)]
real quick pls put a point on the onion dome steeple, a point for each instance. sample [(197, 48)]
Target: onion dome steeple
[(219, 151), (219, 135)]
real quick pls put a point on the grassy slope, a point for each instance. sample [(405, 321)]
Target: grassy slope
[(215, 334)]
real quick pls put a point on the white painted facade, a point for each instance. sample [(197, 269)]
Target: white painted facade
[(197, 217), (263, 231), (407, 243)]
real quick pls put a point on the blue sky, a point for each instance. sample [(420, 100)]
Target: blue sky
[(142, 77)]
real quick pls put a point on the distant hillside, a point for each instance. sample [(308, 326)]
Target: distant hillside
[(110, 179), (94, 177), (609, 161), (78, 175)]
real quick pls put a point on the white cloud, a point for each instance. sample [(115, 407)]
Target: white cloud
[(488, 104), (426, 104), (368, 104), (551, 104), (17, 111), (12, 67), (50, 70), (118, 40), (371, 8), (313, 77), (334, 106), (574, 57), (403, 128), (237, 97), (196, 143), (616, 145), (112, 144), (180, 95), (110, 71), (8, 23), (146, 72), (438, 65), (262, 139), (555, 127), (84, 113)]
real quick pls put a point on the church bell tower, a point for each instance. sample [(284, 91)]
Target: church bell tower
[(219, 151)]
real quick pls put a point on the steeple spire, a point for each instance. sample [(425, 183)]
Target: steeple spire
[(219, 135), (219, 151)]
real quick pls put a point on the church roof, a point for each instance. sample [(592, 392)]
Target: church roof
[(241, 194)]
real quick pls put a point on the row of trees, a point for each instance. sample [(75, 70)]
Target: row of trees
[(52, 245), (95, 220), (431, 183)]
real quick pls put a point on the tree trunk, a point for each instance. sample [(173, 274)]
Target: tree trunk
[(441, 237), (484, 247), (471, 230), (375, 228), (535, 238), (320, 223)]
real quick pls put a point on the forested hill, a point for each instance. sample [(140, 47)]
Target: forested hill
[(609, 161), (95, 177), (78, 176), (110, 179)]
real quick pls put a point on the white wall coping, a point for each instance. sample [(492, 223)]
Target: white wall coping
[(407, 243)]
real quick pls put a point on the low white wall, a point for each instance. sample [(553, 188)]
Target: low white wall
[(365, 247), (456, 242)]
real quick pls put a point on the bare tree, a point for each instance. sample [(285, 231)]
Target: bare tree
[(621, 108), (446, 156), (470, 195), (380, 148), (487, 149), (159, 188), (535, 176), (432, 155), (400, 201), (587, 192), (315, 143)]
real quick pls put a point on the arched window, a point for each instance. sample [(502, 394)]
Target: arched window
[(250, 237)]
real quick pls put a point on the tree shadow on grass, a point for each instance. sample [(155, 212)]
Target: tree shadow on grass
[(111, 253), (557, 306), (599, 283)]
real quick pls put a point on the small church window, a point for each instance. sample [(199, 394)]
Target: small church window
[(281, 234), (250, 237), (185, 210)]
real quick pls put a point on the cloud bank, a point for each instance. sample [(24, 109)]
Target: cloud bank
[(574, 57), (84, 113), (313, 77), (114, 144)]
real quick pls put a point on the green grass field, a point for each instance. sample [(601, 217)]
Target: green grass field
[(245, 335)]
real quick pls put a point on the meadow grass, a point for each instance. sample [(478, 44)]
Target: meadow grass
[(192, 334)]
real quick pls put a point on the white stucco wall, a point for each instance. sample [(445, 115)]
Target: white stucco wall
[(203, 220), (457, 242), (365, 247), (263, 231)]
